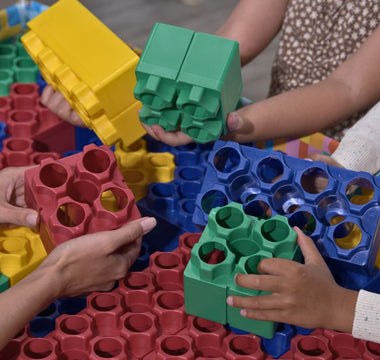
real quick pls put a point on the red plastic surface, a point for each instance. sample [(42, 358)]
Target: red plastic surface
[(80, 194)]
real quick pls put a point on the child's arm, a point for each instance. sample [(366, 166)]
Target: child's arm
[(253, 24), (302, 294)]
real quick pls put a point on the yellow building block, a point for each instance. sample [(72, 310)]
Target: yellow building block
[(21, 251), (95, 70), (140, 168)]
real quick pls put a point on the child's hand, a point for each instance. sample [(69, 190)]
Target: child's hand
[(172, 138), (59, 106), (324, 158), (304, 295)]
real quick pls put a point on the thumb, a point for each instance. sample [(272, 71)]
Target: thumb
[(309, 250), (132, 231), (234, 121), (19, 216)]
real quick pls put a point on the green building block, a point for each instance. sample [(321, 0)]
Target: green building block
[(196, 74), (7, 55), (232, 243), (159, 65), (25, 69), (6, 80), (4, 283)]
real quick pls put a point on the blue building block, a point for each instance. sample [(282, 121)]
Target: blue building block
[(280, 343), (338, 208), (85, 136)]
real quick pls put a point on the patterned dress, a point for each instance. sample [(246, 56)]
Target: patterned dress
[(317, 36)]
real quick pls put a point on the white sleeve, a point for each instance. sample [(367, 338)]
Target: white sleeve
[(367, 317), (359, 149)]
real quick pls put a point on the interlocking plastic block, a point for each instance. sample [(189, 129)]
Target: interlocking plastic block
[(141, 168), (7, 54), (3, 133), (6, 79), (193, 84), (337, 208), (79, 194), (44, 348), (232, 243), (280, 343), (25, 69), (5, 107), (4, 282), (21, 251), (21, 152), (24, 96), (12, 350), (100, 90)]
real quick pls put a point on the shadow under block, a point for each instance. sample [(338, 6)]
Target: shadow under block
[(233, 243), (80, 194), (21, 252), (193, 84), (90, 66), (337, 208)]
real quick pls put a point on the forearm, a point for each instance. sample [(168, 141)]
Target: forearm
[(296, 113), (23, 301), (254, 23)]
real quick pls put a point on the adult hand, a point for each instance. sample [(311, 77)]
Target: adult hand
[(59, 106), (13, 210), (94, 262), (301, 294)]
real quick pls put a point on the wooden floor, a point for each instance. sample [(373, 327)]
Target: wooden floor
[(132, 21)]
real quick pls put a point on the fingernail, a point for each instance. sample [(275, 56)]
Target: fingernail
[(243, 312), (148, 224), (230, 300), (31, 219), (233, 121), (308, 159)]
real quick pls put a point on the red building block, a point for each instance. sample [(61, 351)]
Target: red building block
[(80, 194), (24, 96)]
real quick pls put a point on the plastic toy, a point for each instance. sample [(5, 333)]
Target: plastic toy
[(21, 251), (231, 243), (62, 54), (193, 84), (337, 208), (79, 194)]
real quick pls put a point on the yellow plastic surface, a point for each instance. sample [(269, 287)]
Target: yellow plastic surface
[(21, 251), (95, 70), (6, 30)]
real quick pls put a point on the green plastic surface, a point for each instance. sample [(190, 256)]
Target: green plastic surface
[(4, 282), (232, 243)]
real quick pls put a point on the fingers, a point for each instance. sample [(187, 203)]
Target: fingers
[(259, 302), (259, 282), (172, 138), (131, 232), (308, 248), (18, 216), (324, 158)]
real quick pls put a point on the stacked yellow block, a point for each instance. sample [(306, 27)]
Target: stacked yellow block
[(95, 71), (140, 167)]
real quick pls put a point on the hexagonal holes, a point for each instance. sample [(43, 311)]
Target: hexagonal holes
[(167, 261), (136, 281), (160, 160), (174, 345), (252, 263), (314, 180), (83, 191), (114, 199), (360, 191), (138, 323), (104, 302), (163, 190), (212, 253), (274, 230), (312, 346), (212, 199), (170, 300), (74, 325), (229, 217), (96, 161), (244, 345), (226, 160), (191, 173), (15, 144), (108, 348), (270, 170), (22, 116), (38, 348), (259, 209), (24, 63), (70, 214), (53, 175), (347, 235), (244, 188), (303, 220), (332, 210), (288, 199)]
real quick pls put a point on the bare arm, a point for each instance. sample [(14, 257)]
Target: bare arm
[(353, 86), (88, 263), (253, 24)]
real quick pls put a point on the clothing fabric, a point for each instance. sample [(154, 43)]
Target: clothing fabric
[(317, 36), (367, 317), (359, 149)]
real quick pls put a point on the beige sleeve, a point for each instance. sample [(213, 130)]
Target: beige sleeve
[(359, 149)]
